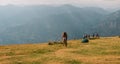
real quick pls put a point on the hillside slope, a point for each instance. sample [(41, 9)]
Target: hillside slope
[(110, 25), (99, 51), (43, 23)]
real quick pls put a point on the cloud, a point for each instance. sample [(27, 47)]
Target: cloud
[(111, 0), (100, 3)]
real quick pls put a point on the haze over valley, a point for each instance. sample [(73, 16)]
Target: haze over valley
[(42, 23)]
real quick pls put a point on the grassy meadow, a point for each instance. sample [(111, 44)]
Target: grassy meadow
[(105, 50)]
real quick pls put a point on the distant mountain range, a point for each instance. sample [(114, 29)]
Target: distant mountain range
[(33, 24), (110, 26)]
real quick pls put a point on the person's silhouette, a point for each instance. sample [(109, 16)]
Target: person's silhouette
[(64, 38)]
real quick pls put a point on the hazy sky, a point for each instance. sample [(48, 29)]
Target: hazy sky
[(101, 3)]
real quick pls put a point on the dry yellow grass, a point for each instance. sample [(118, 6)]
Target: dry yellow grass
[(99, 51)]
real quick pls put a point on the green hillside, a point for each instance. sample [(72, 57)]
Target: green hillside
[(105, 50)]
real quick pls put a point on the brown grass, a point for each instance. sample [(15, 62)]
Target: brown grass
[(99, 51)]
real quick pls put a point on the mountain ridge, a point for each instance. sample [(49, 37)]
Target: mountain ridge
[(40, 24)]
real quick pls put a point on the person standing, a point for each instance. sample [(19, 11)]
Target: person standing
[(64, 38), (93, 35), (97, 35)]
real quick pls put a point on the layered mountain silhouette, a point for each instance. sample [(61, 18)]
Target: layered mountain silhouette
[(33, 24)]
